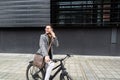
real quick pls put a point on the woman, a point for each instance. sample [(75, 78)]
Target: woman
[(47, 40)]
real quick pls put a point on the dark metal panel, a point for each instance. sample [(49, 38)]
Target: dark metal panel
[(85, 41), (19, 41), (74, 41)]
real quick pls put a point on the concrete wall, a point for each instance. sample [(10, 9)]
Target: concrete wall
[(89, 41)]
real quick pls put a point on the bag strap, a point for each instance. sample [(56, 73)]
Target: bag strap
[(50, 44)]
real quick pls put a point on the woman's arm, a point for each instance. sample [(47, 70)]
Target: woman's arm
[(43, 45)]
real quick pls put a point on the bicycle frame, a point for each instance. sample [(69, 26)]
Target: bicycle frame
[(60, 67)]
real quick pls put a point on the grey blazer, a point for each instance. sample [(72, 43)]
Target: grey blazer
[(44, 45)]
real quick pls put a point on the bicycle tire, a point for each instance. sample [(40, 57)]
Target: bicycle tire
[(33, 73), (65, 77)]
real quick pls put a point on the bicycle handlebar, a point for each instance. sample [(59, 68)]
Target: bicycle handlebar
[(62, 59)]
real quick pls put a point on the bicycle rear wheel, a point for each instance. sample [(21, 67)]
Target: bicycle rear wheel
[(65, 77), (34, 73)]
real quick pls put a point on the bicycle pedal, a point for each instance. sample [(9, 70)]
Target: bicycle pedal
[(35, 76)]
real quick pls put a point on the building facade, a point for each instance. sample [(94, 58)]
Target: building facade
[(85, 27)]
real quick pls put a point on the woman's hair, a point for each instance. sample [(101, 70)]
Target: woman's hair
[(49, 25)]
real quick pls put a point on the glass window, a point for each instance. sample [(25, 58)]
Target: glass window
[(87, 12)]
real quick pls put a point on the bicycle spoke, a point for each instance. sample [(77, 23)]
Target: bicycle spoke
[(34, 73)]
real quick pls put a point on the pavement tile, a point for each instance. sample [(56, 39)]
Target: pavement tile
[(80, 67)]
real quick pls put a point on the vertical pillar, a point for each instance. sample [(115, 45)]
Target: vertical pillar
[(114, 36)]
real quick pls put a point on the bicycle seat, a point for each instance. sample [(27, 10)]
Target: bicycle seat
[(56, 60), (31, 62)]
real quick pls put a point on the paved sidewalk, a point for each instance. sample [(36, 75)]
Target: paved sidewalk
[(13, 67)]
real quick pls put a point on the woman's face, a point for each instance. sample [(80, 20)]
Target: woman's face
[(48, 29)]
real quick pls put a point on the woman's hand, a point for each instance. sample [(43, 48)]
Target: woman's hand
[(47, 59), (53, 34)]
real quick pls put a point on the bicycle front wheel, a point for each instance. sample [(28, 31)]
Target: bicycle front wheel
[(34, 73), (65, 77)]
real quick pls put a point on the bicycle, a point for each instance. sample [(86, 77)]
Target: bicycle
[(34, 73)]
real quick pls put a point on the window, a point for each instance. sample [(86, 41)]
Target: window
[(85, 12)]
